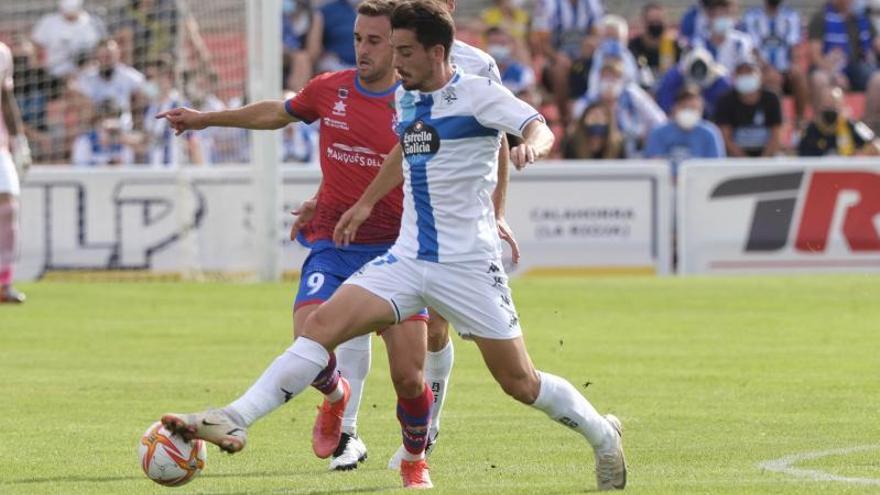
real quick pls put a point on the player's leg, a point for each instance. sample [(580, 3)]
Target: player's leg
[(509, 363), (476, 300), (352, 311), (406, 344), (353, 363), (438, 367), (321, 277), (9, 191)]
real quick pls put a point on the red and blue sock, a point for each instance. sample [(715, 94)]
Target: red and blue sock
[(415, 418)]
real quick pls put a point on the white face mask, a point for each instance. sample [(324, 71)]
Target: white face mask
[(150, 89), (499, 52), (687, 118), (747, 84), (721, 25), (610, 87)]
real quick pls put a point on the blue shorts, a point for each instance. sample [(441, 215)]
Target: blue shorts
[(327, 267)]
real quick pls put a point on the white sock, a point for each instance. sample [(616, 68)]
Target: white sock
[(438, 367), (353, 363), (409, 456), (286, 377), (561, 401)]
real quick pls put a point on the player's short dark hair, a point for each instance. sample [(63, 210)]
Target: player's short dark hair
[(688, 92), (431, 23), (377, 8)]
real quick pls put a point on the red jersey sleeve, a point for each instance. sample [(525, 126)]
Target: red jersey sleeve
[(304, 105)]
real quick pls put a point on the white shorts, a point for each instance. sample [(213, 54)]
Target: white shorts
[(8, 175), (472, 296)]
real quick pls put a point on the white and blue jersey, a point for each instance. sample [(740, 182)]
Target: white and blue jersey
[(774, 36), (450, 139)]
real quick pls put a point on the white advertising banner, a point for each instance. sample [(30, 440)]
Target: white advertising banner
[(567, 216), (779, 216)]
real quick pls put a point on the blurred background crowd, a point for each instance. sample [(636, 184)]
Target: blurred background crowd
[(646, 79)]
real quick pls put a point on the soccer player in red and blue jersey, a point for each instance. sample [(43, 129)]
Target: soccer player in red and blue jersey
[(356, 111)]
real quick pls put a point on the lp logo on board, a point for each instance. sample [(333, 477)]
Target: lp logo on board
[(780, 197)]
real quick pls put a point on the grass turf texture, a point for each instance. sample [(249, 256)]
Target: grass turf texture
[(710, 376)]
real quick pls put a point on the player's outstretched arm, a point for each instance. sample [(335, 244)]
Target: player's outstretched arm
[(262, 115), (389, 177), (537, 143)]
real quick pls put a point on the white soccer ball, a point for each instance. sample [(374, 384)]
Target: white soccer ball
[(168, 459)]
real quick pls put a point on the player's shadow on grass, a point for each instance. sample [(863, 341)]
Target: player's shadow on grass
[(276, 474)]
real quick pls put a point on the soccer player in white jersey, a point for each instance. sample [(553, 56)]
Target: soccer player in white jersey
[(11, 130), (441, 353), (447, 255)]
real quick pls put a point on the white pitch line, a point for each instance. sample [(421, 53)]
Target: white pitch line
[(786, 465)]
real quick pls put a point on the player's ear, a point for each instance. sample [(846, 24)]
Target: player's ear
[(438, 52)]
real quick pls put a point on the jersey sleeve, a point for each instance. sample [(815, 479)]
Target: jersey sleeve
[(304, 105), (496, 107)]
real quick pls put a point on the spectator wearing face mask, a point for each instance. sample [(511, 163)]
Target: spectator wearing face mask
[(727, 45), (111, 80), (594, 136), (776, 31), (655, 49), (750, 118), (833, 133), (635, 112), (67, 36), (698, 69), (159, 143), (688, 135), (613, 35), (509, 16), (516, 76)]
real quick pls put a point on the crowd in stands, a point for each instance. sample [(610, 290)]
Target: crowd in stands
[(720, 81)]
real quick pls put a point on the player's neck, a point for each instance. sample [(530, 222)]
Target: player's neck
[(441, 78), (379, 85)]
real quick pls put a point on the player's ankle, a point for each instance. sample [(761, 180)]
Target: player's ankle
[(337, 394)]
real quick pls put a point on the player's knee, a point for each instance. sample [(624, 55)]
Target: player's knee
[(408, 382), (438, 334), (319, 328)]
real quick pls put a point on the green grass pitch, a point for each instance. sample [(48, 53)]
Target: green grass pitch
[(711, 376)]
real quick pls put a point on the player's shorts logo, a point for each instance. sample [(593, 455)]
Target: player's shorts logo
[(420, 139)]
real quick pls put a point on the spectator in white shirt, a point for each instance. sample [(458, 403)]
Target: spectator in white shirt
[(635, 112), (67, 36), (104, 144), (111, 80)]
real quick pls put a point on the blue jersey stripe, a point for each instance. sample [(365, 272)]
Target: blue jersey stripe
[(460, 127), (418, 178)]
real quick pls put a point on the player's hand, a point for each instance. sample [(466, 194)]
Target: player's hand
[(522, 155), (346, 229), (304, 215), (506, 235), (183, 119), (21, 154)]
